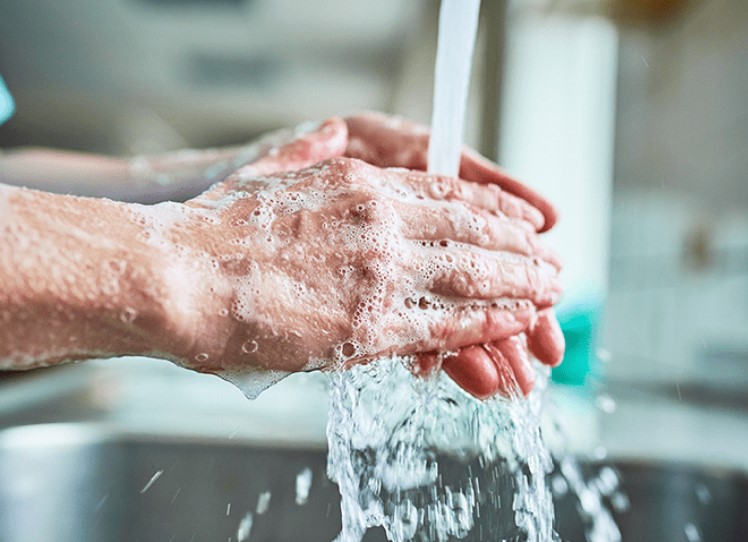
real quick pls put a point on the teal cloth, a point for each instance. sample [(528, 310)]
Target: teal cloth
[(7, 106), (579, 323)]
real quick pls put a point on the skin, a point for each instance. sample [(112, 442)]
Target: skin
[(501, 366), (176, 176), (308, 257)]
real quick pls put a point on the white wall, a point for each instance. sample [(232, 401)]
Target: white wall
[(557, 132)]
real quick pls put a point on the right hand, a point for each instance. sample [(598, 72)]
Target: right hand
[(504, 365), (343, 261)]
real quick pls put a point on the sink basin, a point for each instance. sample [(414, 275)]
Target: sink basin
[(96, 483)]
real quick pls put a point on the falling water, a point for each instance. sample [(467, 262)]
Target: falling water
[(427, 462), (458, 24)]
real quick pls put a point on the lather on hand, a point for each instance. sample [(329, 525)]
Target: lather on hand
[(304, 257), (482, 370), (440, 215)]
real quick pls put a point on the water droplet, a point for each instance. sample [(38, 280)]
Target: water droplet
[(692, 532), (606, 403), (603, 355), (559, 485), (152, 481), (250, 347), (599, 453), (620, 502), (128, 315), (303, 486), (607, 481), (703, 494), (263, 503), (245, 527)]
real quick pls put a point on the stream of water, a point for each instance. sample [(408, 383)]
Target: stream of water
[(458, 26)]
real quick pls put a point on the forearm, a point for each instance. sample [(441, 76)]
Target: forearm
[(80, 279), (175, 176), (63, 171)]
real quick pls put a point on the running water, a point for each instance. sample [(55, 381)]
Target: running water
[(458, 25), (418, 456), (427, 462)]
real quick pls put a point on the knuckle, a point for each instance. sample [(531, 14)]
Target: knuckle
[(346, 173), (354, 170)]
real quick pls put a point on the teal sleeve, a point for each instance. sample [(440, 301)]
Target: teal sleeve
[(7, 106)]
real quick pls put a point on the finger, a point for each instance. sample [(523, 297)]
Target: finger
[(546, 340), (513, 352), (453, 327), (488, 197), (460, 223), (440, 222), (474, 167), (474, 371), (436, 324), (472, 273)]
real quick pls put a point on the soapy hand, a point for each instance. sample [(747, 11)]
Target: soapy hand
[(501, 366), (355, 262)]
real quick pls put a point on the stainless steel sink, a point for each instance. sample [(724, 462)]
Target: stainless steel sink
[(95, 483)]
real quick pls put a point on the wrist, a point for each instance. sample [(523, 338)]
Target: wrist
[(197, 321), (94, 285)]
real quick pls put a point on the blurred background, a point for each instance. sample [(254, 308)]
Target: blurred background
[(632, 115)]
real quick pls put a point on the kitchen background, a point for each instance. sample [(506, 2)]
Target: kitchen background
[(632, 115)]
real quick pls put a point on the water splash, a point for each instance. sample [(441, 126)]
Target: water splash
[(425, 461)]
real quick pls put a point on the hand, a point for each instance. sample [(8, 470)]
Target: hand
[(388, 141), (502, 366), (312, 266)]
